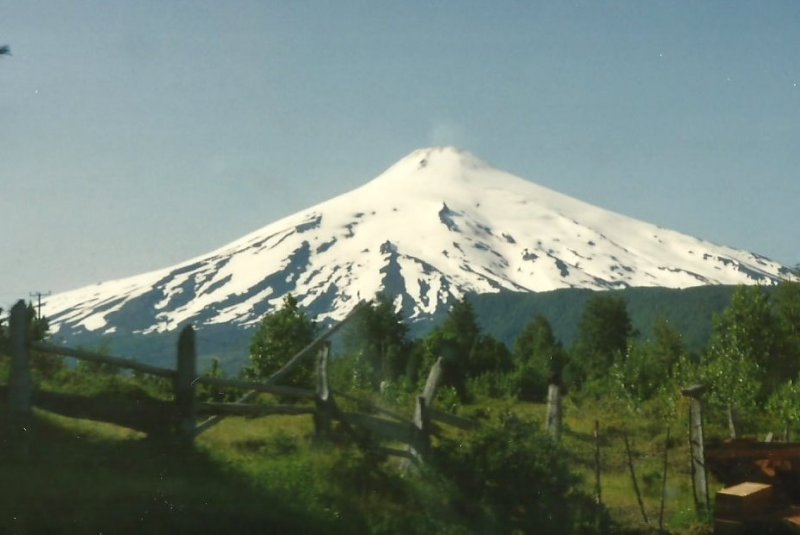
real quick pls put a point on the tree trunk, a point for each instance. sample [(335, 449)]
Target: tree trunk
[(732, 420)]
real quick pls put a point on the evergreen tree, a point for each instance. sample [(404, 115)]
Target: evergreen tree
[(39, 327), (281, 335), (466, 352), (603, 335), (379, 338), (538, 359)]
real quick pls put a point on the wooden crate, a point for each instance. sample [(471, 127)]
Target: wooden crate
[(744, 500)]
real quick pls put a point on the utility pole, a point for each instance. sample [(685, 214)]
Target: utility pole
[(38, 296)]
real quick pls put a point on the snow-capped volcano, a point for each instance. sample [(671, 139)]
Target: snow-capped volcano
[(437, 224)]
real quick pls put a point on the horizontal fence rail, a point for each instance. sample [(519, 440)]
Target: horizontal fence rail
[(89, 356)]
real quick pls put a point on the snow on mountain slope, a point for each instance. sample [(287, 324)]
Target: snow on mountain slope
[(435, 225)]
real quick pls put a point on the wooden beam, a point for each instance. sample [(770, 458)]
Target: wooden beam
[(256, 386), (370, 405), (388, 429), (214, 420), (81, 354)]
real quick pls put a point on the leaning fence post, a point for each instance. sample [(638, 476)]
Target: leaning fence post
[(554, 410), (698, 463), (323, 400), (422, 439), (185, 398), (20, 384), (633, 478)]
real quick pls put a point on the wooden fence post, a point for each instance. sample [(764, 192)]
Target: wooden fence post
[(663, 484), (20, 384), (554, 410), (323, 400), (421, 440), (698, 462), (185, 396), (598, 489)]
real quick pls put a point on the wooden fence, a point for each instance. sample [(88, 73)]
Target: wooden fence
[(179, 418)]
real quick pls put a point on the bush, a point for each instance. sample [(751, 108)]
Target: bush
[(516, 478)]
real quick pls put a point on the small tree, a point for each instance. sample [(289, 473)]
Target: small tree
[(735, 378), (647, 367), (784, 404), (786, 306), (281, 335)]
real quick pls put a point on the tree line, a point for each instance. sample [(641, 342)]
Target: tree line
[(751, 362)]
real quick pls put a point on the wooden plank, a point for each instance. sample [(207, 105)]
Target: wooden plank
[(748, 450), (81, 354), (293, 362), (250, 409), (256, 386), (792, 522), (388, 429), (452, 419)]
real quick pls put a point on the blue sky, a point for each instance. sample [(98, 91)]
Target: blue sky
[(134, 135)]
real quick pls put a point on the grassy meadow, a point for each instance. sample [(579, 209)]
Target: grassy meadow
[(268, 475)]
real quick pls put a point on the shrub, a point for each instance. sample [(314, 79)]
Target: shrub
[(521, 478)]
